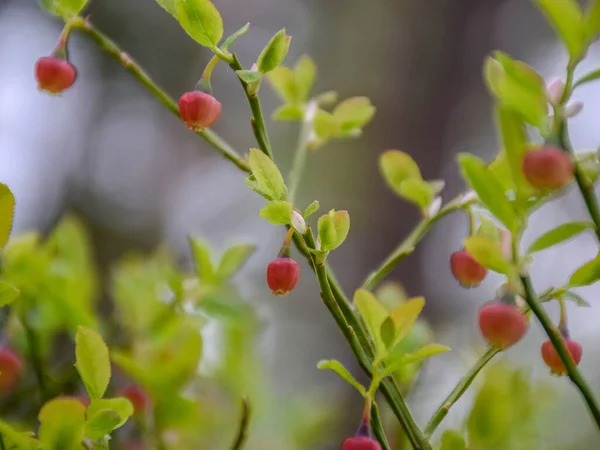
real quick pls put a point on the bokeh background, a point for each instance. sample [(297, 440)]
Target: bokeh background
[(108, 151)]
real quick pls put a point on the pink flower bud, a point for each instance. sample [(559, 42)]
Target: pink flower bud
[(282, 275), (199, 110), (298, 222), (554, 362), (502, 325), (555, 90), (54, 75)]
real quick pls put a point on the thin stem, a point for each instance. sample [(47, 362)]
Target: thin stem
[(462, 386), (407, 246), (130, 65), (244, 422), (304, 137), (35, 358), (2, 446), (559, 344), (376, 424), (258, 122)]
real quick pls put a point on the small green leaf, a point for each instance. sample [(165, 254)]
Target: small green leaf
[(500, 170), (405, 315), (48, 6), (101, 423), (277, 212), (283, 81), (249, 76), (488, 189), (397, 167), (325, 125), (93, 363), (354, 112), (417, 191), (288, 112), (333, 229), (274, 52), (201, 20), (168, 5), (373, 314), (17, 440), (559, 234), (65, 8), (119, 405), (267, 175), (62, 424), (400, 360), (305, 72), (8, 293), (488, 229), (311, 209), (343, 373), (202, 261), (592, 19), (592, 76), (587, 274), (388, 332), (233, 259), (452, 440), (326, 98), (576, 298), (253, 184), (568, 20), (488, 253), (233, 37), (7, 210)]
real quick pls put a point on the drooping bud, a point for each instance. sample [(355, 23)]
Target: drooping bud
[(54, 75), (298, 222), (548, 168), (283, 274), (572, 109), (138, 398), (361, 443), (501, 324), (555, 90), (553, 361), (199, 110), (11, 368), (466, 269)]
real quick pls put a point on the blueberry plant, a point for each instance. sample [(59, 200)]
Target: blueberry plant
[(146, 388)]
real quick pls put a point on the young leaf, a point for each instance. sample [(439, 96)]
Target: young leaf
[(93, 363), (417, 191), (8, 293), (339, 369), (267, 175), (488, 189), (388, 332), (233, 259), (201, 20), (354, 112), (277, 212), (405, 316), (397, 167), (576, 298), (168, 5), (232, 38), (288, 112), (202, 260), (568, 20), (559, 234), (488, 229), (62, 424), (274, 52), (408, 358), (101, 423), (333, 229), (452, 440), (304, 72), (587, 274), (65, 8), (7, 209), (283, 81), (120, 405), (311, 209), (15, 439), (253, 184), (249, 76), (325, 125), (488, 253), (373, 314)]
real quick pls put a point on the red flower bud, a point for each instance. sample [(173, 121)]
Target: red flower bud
[(11, 368), (502, 325), (199, 110), (360, 443), (138, 398), (554, 362), (282, 275), (548, 169), (466, 269), (54, 75)]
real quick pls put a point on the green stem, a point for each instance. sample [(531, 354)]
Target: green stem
[(407, 246), (2, 446), (157, 431), (304, 137), (258, 122), (113, 50), (242, 432), (559, 344), (377, 425), (462, 386), (35, 358)]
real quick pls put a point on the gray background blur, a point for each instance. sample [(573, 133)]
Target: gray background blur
[(110, 151)]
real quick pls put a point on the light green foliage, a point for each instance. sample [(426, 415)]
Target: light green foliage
[(587, 274), (199, 18), (277, 212), (559, 234), (8, 293), (487, 229), (267, 175), (120, 407), (14, 438), (93, 362), (249, 76), (452, 440), (7, 210), (64, 8), (62, 424), (343, 373), (311, 209), (234, 36), (569, 21), (333, 229), (488, 253), (274, 52)]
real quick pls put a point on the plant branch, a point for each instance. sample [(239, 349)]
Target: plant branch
[(35, 357), (132, 67), (306, 131), (377, 425), (408, 245), (462, 386), (244, 422), (559, 344)]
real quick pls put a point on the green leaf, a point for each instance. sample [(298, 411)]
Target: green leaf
[(288, 112), (405, 315), (333, 229), (452, 440), (253, 184), (500, 169), (587, 274), (305, 72), (119, 405), (326, 98), (274, 52), (567, 18), (202, 260), (168, 5), (201, 20), (388, 332), (343, 373), (397, 167), (267, 175), (62, 424), (101, 423), (277, 212), (325, 125), (417, 191), (354, 112), (373, 313), (424, 352), (7, 210), (48, 6), (93, 363), (576, 298), (8, 293), (249, 76), (233, 259), (233, 37), (488, 229), (65, 8), (592, 76), (592, 19), (488, 189), (488, 253), (16, 439), (559, 234), (311, 209), (283, 81)]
